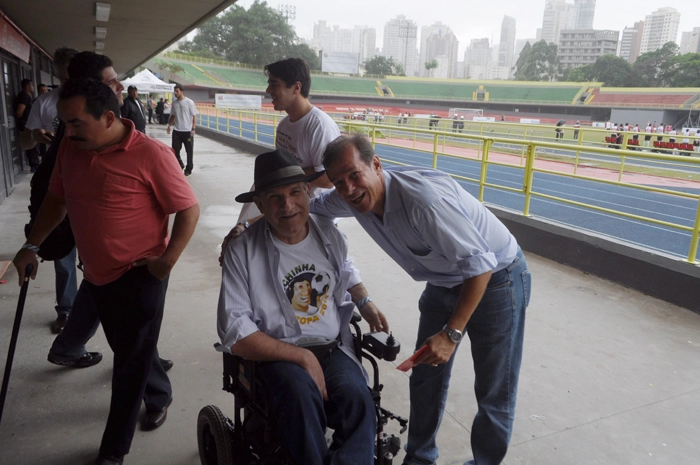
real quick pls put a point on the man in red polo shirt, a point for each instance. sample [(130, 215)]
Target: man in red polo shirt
[(119, 188)]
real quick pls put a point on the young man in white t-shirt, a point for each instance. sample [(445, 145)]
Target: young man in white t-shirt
[(304, 132), (183, 121), (284, 285)]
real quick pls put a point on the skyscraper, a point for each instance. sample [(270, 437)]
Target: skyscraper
[(506, 46), (557, 17), (438, 42), (660, 27), (364, 42), (583, 12), (400, 42), (631, 42), (690, 41)]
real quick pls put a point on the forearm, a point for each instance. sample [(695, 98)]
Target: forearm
[(194, 122), (263, 348), (171, 121), (183, 228), (472, 291), (358, 292), (322, 182), (26, 141), (50, 215)]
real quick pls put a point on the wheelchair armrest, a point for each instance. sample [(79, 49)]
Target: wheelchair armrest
[(356, 317), (382, 345)]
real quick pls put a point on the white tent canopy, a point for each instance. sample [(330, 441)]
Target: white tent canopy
[(147, 82)]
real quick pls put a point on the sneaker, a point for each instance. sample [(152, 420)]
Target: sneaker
[(59, 323), (188, 174), (88, 359)]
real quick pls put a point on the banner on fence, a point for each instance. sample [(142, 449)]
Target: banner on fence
[(484, 119), (238, 102), (529, 121)]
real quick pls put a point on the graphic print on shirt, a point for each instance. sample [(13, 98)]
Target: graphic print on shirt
[(285, 142), (308, 292)]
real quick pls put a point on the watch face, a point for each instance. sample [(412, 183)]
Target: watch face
[(456, 336)]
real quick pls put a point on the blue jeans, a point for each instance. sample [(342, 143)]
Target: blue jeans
[(302, 415), (496, 331), (66, 283)]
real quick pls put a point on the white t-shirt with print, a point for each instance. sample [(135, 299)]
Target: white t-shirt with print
[(307, 138), (308, 279)]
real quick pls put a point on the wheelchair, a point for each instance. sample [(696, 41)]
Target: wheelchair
[(250, 439)]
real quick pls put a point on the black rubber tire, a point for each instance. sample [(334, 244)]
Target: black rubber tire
[(214, 437)]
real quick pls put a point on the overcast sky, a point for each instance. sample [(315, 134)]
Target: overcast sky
[(468, 19)]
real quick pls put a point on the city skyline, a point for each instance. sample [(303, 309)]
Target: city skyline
[(469, 22)]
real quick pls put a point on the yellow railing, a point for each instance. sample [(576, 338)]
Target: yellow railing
[(522, 148)]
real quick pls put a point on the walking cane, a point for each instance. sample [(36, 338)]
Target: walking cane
[(15, 333)]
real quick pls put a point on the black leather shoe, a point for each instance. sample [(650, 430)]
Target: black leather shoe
[(88, 359), (109, 459), (59, 323), (166, 364), (153, 420)]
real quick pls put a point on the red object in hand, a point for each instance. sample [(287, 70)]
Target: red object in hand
[(410, 362)]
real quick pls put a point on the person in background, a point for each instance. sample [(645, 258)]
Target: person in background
[(183, 122)]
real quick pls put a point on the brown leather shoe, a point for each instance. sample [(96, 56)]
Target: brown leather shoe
[(156, 418)]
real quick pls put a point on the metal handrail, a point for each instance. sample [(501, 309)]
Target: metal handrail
[(530, 151)]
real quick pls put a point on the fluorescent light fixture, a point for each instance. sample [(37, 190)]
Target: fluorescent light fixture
[(102, 11), (99, 45), (100, 32)]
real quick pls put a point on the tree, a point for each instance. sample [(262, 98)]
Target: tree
[(383, 66), (613, 71), (522, 58), (684, 71), (430, 65), (540, 63), (652, 67), (172, 67), (257, 36)]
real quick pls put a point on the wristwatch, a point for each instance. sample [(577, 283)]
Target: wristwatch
[(455, 335)]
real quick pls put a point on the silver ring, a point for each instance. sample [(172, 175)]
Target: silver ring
[(434, 364)]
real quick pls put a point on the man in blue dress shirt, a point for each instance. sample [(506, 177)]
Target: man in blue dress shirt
[(477, 281)]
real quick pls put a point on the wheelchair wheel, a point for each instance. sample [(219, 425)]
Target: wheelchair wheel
[(218, 443)]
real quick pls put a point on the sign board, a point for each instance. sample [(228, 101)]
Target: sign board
[(529, 121), (13, 42), (238, 102), (340, 62), (598, 124), (484, 119)]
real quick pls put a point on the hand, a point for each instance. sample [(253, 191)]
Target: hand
[(440, 349), (23, 258), (157, 266), (311, 365), (234, 233), (375, 318), (42, 136), (168, 130), (192, 132)]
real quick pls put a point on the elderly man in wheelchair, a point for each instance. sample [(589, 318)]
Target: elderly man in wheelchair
[(284, 319)]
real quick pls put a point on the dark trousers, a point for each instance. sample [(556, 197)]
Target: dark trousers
[(150, 115), (302, 415), (131, 311), (185, 138)]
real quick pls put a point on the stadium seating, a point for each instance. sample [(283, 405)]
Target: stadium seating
[(425, 89), (516, 93), (639, 99), (343, 85)]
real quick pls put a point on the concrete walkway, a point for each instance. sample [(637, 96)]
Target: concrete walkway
[(609, 377)]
